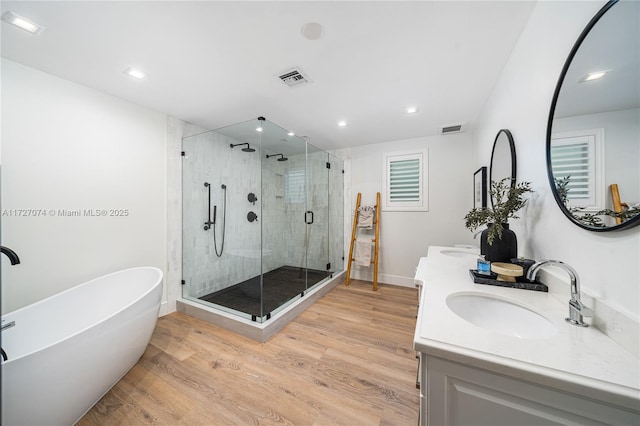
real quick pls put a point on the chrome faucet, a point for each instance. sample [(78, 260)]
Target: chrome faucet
[(577, 310)]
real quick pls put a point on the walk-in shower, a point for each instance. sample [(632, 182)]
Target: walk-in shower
[(258, 234)]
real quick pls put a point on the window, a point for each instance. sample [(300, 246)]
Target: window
[(405, 181), (294, 186), (578, 157)]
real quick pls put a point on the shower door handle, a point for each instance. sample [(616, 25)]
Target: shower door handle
[(306, 216)]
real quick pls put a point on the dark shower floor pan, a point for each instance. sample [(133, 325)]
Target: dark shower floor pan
[(279, 285)]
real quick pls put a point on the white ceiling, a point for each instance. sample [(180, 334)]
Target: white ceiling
[(215, 63)]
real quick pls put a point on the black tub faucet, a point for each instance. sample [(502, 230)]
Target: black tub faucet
[(13, 257)]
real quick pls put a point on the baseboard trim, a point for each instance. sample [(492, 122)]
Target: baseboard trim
[(164, 309), (384, 278)]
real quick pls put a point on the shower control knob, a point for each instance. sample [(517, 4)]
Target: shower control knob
[(252, 198), (251, 216)]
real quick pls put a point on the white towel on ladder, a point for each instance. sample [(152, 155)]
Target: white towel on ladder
[(362, 255), (365, 216)]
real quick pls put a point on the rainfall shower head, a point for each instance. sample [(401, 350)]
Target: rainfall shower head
[(282, 157), (247, 149)]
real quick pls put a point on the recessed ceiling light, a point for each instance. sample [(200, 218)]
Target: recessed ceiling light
[(21, 22), (135, 73), (291, 134), (593, 76), (412, 110), (343, 123)]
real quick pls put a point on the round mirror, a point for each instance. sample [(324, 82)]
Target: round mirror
[(593, 133), (503, 159)]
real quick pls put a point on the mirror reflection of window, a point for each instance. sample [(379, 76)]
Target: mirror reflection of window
[(294, 186), (577, 159)]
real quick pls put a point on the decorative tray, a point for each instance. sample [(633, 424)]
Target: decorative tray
[(492, 280)]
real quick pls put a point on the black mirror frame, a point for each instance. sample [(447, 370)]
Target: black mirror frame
[(512, 148), (625, 225)]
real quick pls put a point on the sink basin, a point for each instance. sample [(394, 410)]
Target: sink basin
[(458, 253), (501, 316)]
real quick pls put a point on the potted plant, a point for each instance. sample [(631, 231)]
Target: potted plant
[(507, 201)]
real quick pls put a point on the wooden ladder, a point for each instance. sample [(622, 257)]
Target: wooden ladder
[(617, 204), (375, 241)]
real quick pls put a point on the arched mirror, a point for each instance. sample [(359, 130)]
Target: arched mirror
[(593, 133), (503, 159)]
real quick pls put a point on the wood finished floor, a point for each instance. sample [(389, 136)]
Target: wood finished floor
[(347, 360)]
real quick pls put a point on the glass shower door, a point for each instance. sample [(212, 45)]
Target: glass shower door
[(317, 216), (283, 227)]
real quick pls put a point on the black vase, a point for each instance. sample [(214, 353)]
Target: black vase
[(502, 249)]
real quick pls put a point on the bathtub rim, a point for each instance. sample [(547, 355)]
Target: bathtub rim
[(82, 330)]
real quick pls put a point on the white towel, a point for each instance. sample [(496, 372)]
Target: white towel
[(362, 255), (365, 216)]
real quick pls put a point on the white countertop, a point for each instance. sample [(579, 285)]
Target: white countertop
[(577, 359)]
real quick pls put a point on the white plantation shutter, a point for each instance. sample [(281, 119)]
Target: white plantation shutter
[(405, 181)]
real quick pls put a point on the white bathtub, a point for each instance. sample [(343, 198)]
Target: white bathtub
[(65, 352)]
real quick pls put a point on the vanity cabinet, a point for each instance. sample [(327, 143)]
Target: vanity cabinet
[(482, 374), (456, 394)]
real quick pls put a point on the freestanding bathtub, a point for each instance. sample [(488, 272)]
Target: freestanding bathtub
[(65, 352)]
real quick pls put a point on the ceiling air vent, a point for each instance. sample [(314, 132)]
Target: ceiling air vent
[(451, 128), (293, 77)]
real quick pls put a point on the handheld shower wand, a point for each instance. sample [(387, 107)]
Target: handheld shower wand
[(208, 224)]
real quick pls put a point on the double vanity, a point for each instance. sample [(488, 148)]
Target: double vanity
[(505, 356)]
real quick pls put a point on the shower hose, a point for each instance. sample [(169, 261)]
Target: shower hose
[(224, 223)]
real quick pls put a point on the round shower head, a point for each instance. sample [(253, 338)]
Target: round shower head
[(247, 149), (282, 157)]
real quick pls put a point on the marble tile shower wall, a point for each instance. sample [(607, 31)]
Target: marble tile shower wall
[(284, 230), (274, 221), (210, 159)]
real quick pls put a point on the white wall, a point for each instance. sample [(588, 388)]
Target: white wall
[(65, 146), (608, 263), (405, 236)]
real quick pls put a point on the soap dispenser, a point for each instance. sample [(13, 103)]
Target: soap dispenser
[(484, 266)]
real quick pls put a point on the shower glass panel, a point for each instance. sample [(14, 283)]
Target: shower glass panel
[(336, 216), (220, 247), (258, 210)]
